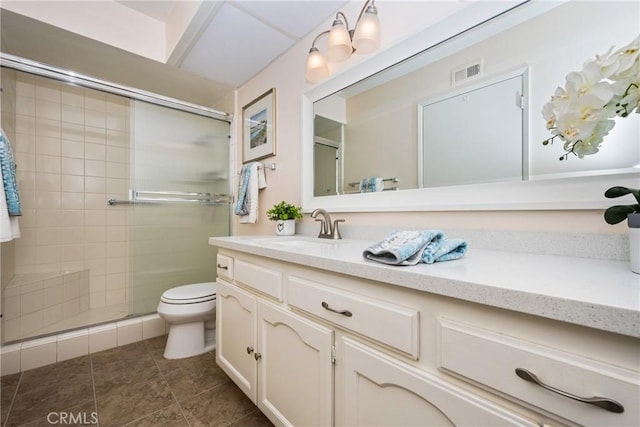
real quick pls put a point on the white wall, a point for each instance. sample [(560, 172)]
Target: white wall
[(399, 20)]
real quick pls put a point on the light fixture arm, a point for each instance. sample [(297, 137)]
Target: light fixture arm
[(346, 23), (315, 40)]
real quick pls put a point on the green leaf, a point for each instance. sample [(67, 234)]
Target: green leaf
[(622, 191), (618, 213)]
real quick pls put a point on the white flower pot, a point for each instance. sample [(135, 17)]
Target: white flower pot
[(633, 220), (286, 227)]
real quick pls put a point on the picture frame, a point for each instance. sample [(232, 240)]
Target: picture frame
[(259, 127)]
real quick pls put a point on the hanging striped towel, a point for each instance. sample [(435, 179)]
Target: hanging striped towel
[(252, 179), (9, 181)]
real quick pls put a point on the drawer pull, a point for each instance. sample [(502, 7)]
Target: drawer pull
[(249, 350), (602, 402), (223, 267), (343, 312)]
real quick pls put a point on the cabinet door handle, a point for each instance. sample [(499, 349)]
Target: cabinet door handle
[(343, 312), (602, 402), (223, 267), (249, 350), (257, 356)]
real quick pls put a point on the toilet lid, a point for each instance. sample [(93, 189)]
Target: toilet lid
[(188, 293)]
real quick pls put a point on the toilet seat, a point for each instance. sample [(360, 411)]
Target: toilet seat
[(190, 294)]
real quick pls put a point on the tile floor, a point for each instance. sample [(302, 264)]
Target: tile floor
[(131, 385)]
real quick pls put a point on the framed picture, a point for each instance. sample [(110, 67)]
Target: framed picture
[(259, 127)]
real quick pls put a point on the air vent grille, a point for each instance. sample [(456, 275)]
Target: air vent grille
[(466, 72)]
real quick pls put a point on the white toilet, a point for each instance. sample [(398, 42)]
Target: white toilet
[(190, 311)]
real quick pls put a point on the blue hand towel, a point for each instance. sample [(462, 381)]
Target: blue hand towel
[(445, 250), (403, 247), (9, 180), (408, 247)]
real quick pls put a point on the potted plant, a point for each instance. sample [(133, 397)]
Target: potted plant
[(631, 213), (285, 215), (583, 112)]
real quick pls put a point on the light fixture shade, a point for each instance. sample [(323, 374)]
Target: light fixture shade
[(366, 38), (339, 44), (317, 68)]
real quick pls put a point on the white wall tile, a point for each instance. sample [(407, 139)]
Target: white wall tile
[(129, 331), (10, 357), (72, 344), (103, 337), (36, 353), (153, 326)]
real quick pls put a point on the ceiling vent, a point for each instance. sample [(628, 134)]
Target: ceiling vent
[(466, 72)]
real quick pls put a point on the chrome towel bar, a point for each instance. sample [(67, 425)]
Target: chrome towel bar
[(172, 197)]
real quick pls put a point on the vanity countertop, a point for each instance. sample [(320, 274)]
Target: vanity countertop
[(595, 293)]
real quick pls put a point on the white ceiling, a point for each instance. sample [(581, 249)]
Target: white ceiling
[(222, 46), (242, 37)]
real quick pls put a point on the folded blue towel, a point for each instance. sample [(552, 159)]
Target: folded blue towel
[(410, 247), (9, 180), (445, 250), (402, 247)]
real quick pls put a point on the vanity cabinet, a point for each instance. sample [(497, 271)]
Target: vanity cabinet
[(282, 361), (314, 347)]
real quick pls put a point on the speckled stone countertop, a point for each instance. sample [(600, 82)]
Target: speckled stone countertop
[(600, 294)]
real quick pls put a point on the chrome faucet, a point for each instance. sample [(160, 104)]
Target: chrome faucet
[(328, 229)]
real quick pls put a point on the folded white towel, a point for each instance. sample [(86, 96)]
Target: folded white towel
[(9, 227), (257, 181)]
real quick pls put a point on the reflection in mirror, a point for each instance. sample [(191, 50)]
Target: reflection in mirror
[(433, 120), (328, 156)]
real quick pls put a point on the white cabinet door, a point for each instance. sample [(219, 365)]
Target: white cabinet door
[(375, 389), (236, 336), (295, 368)]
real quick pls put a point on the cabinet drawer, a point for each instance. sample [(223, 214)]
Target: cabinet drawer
[(491, 359), (224, 267), (390, 324), (260, 278)]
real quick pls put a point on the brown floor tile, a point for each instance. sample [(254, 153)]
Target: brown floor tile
[(133, 385), (8, 387), (195, 375), (51, 388), (220, 406), (167, 417), (81, 415), (254, 419), (119, 354), (119, 404)]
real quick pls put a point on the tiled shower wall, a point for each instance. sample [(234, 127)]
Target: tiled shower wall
[(72, 153)]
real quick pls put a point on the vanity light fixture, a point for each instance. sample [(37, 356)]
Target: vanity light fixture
[(342, 42)]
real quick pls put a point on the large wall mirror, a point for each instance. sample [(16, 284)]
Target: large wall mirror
[(458, 125)]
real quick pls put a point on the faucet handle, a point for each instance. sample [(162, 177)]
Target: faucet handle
[(336, 229), (323, 230)]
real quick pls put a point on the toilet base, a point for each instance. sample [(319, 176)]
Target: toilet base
[(187, 340)]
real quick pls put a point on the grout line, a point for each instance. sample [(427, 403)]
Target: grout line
[(170, 390), (13, 399), (93, 385)]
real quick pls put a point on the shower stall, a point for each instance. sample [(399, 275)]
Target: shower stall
[(120, 190)]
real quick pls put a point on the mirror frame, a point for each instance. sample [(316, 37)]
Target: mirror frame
[(572, 191)]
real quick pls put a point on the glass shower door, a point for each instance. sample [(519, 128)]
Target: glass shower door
[(177, 156)]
